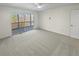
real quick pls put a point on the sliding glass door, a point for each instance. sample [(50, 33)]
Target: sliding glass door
[(22, 23)]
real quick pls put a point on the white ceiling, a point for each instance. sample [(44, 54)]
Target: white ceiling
[(32, 6)]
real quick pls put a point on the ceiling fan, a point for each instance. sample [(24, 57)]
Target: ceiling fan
[(38, 5)]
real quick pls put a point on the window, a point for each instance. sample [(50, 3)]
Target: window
[(22, 22)]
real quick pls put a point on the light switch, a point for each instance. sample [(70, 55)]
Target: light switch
[(49, 18)]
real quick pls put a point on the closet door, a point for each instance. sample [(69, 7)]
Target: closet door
[(75, 24)]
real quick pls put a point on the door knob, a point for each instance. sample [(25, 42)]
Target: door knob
[(71, 25)]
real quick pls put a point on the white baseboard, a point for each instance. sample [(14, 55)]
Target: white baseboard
[(60, 33), (5, 37)]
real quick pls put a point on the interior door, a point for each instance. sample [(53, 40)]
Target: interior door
[(75, 24)]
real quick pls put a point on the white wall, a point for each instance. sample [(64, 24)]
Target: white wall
[(5, 20), (60, 19), (5, 28)]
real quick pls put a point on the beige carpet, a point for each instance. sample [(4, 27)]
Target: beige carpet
[(39, 43)]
